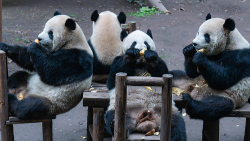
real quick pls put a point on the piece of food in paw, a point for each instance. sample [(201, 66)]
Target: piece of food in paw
[(143, 51), (177, 91), (201, 50), (37, 41)]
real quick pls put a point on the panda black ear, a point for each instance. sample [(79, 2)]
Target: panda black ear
[(71, 24), (94, 16), (123, 34), (229, 24), (122, 18), (149, 33), (57, 13), (208, 16)]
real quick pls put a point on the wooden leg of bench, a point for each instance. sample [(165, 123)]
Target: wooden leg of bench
[(98, 115), (210, 131), (47, 131), (89, 122), (247, 130), (8, 134)]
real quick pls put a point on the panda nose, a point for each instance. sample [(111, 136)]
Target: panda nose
[(194, 44), (39, 39)]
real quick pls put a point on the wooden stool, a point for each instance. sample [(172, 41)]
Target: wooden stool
[(6, 125), (210, 130)]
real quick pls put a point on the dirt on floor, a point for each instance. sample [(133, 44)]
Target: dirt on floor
[(23, 20)]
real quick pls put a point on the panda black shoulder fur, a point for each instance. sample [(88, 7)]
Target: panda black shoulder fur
[(63, 66), (143, 106), (224, 66), (105, 41)]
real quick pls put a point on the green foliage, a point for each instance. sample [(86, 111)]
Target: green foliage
[(25, 40), (17, 39), (145, 11)]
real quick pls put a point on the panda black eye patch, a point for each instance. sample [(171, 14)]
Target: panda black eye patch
[(147, 45), (133, 44), (51, 34), (207, 37)]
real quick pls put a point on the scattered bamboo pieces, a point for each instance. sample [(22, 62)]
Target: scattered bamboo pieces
[(142, 51), (151, 132), (37, 41), (177, 91), (21, 97), (201, 50)]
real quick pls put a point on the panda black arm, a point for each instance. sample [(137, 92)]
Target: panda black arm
[(190, 67), (224, 70), (155, 65), (125, 63), (61, 67), (19, 55)]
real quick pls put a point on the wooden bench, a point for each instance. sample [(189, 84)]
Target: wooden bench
[(210, 132)]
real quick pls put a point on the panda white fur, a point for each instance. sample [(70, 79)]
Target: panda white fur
[(105, 41), (224, 67), (62, 64), (143, 111)]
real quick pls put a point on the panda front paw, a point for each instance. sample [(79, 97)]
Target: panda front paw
[(34, 47), (12, 99), (190, 106), (199, 59), (3, 47), (131, 55), (189, 52), (187, 97), (150, 55)]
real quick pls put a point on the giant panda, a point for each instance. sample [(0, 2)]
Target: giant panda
[(105, 41), (62, 66), (217, 80), (143, 111)]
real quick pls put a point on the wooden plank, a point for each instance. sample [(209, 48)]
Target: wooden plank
[(95, 84), (120, 107), (15, 120), (210, 130), (6, 131), (98, 125), (47, 130), (247, 130), (132, 26), (144, 81), (91, 130), (139, 136), (89, 122), (101, 99), (166, 109), (98, 99)]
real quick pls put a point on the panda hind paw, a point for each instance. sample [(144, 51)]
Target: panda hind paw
[(187, 97)]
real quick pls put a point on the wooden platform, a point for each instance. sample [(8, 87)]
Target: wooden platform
[(15, 120), (100, 98)]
